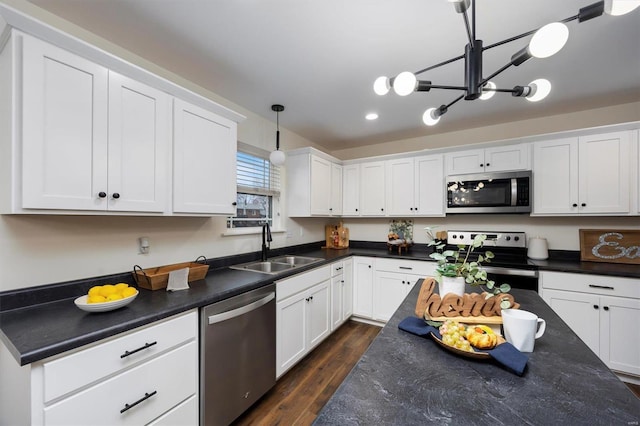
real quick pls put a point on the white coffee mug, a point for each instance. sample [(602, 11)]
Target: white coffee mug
[(522, 328)]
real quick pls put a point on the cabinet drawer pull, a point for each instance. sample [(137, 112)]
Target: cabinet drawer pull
[(606, 287), (145, 397), (406, 267), (339, 269), (595, 306), (606, 308), (146, 345)]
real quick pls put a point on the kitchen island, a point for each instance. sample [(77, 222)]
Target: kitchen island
[(404, 379)]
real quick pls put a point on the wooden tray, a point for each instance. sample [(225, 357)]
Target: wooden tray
[(469, 320), (477, 354), (157, 278)]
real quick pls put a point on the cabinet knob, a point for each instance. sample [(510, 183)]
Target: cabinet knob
[(369, 266), (381, 210), (102, 194), (488, 164), (606, 308), (234, 204), (595, 306), (584, 204), (575, 205), (356, 209), (481, 165), (411, 208), (115, 195), (330, 208)]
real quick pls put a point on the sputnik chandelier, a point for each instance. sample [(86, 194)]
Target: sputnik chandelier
[(545, 42)]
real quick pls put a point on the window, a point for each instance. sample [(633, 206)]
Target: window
[(258, 189)]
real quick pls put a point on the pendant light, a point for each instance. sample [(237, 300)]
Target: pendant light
[(545, 42), (277, 157)]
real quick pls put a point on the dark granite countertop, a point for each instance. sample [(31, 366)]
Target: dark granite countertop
[(42, 321), (403, 379)]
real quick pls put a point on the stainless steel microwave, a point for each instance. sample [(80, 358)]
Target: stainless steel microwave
[(506, 192)]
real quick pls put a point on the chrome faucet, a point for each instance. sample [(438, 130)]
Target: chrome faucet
[(266, 239)]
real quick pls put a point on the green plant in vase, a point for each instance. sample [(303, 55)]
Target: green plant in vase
[(455, 263)]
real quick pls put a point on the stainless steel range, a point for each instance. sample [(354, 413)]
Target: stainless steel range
[(510, 264)]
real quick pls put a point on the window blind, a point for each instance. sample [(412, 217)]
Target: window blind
[(257, 175)]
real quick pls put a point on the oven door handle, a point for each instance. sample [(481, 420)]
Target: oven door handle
[(508, 271)]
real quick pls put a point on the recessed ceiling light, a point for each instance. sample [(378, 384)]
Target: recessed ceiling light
[(371, 116)]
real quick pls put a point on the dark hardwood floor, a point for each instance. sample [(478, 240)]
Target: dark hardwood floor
[(299, 395)]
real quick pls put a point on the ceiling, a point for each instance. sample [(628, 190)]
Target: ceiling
[(320, 58)]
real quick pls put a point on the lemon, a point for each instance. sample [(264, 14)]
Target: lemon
[(107, 289), (114, 296), (96, 298), (121, 286), (129, 291), (95, 290)]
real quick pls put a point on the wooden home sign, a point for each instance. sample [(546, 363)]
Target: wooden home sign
[(612, 246)]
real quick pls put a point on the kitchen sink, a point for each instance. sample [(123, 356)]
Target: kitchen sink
[(277, 264), (296, 260)]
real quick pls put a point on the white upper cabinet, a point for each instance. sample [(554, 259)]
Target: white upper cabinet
[(81, 138), (314, 184), (139, 146), (603, 180), (494, 159), (400, 187), (351, 190), (583, 175), (64, 128), (372, 188), (335, 206), (204, 161), (415, 186), (429, 185), (92, 139)]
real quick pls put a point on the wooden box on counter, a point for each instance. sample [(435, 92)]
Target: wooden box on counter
[(158, 278), (337, 236)]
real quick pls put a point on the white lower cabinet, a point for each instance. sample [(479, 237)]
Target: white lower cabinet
[(603, 311), (302, 315), (341, 292), (363, 286), (143, 376), (380, 285), (393, 280)]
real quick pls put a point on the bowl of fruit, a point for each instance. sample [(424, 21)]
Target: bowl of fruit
[(103, 298)]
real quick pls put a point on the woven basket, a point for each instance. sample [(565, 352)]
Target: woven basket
[(157, 278)]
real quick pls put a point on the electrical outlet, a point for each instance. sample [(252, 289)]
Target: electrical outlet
[(143, 245)]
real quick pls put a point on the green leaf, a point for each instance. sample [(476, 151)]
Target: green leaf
[(490, 284), (505, 288), (434, 323), (489, 254)]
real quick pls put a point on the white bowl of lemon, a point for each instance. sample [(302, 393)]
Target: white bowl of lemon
[(102, 298)]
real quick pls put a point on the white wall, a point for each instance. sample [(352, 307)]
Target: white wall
[(616, 114), (560, 232)]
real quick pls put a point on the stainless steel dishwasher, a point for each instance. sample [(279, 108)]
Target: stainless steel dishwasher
[(237, 354)]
